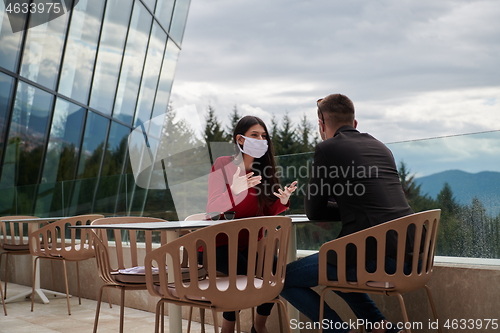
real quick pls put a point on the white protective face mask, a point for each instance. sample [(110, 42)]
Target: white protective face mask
[(254, 147)]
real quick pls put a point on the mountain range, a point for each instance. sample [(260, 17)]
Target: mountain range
[(465, 186)]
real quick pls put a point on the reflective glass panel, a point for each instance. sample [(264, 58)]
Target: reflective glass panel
[(81, 48), (6, 89), (133, 62), (179, 20), (109, 183), (163, 12), (82, 196), (109, 57), (150, 76), (166, 79), (43, 48), (117, 149), (64, 142), (150, 4), (25, 146), (10, 42), (96, 129)]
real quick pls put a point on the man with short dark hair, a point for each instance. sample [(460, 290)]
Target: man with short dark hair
[(358, 173)]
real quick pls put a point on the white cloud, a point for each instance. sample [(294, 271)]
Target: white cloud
[(413, 68)]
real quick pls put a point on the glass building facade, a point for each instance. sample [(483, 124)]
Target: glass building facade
[(71, 91)]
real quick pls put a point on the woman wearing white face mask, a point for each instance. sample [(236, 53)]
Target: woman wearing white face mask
[(247, 185)]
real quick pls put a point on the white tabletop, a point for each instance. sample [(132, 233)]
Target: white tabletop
[(168, 225)]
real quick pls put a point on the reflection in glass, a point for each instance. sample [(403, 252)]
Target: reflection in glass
[(83, 191), (114, 159), (150, 4), (179, 20), (109, 57), (81, 48), (166, 79), (133, 62), (25, 147), (10, 42), (61, 158), (6, 90), (64, 142), (96, 129), (43, 50), (150, 77), (163, 12)]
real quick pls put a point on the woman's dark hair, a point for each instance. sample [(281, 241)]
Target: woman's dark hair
[(264, 166)]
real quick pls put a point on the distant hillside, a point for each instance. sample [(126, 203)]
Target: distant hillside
[(483, 185)]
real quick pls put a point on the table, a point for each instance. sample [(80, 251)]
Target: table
[(39, 291), (173, 228)]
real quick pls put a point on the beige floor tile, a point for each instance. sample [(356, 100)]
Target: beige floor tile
[(54, 318)]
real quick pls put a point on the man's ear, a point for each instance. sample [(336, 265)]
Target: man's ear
[(355, 123)]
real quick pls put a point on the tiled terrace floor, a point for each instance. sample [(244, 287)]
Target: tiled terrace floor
[(53, 317)]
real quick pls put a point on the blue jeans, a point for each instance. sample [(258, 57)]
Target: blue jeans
[(302, 275)]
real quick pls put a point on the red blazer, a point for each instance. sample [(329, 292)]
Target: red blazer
[(245, 204)]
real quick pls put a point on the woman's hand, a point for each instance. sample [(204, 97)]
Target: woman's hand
[(284, 195), (242, 183)]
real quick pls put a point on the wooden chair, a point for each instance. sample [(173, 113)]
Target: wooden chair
[(122, 270), (55, 241), (13, 242), (267, 252), (425, 225)]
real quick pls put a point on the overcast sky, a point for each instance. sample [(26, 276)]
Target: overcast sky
[(413, 68)]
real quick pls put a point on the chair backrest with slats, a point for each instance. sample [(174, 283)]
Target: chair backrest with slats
[(13, 233), (425, 228), (265, 271), (127, 245), (57, 240)]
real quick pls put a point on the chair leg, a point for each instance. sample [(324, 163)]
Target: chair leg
[(98, 309), (216, 321), (284, 320), (162, 317), (433, 306), (122, 309), (6, 271), (322, 307), (66, 285), (280, 318), (3, 301), (403, 310), (202, 319), (78, 283), (109, 298), (189, 319), (157, 316), (53, 275), (238, 323), (33, 284)]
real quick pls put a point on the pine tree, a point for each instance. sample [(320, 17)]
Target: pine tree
[(275, 137), (213, 128), (446, 200), (233, 121), (287, 137), (305, 131)]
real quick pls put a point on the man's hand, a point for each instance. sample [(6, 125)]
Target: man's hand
[(242, 183), (284, 195)]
